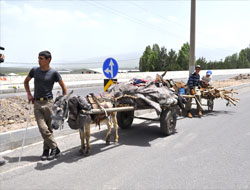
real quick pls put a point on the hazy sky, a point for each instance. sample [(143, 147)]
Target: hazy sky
[(80, 30)]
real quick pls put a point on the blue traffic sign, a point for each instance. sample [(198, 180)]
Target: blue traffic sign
[(110, 68)]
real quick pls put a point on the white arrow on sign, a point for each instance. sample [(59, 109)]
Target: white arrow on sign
[(111, 64)]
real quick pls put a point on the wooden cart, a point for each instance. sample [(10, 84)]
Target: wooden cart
[(209, 101), (125, 117), (209, 94)]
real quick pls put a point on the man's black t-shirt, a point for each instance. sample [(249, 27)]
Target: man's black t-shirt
[(44, 81)]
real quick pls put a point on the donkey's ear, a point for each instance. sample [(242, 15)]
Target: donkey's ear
[(68, 95), (58, 94)]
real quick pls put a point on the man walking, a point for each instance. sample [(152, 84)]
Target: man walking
[(194, 89), (44, 79)]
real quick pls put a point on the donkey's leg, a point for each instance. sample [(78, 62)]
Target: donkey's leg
[(108, 123), (87, 135), (115, 124), (81, 151)]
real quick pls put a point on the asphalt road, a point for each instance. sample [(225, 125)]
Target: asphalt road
[(98, 89), (77, 91), (212, 152)]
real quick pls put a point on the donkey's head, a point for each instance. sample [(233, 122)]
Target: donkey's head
[(60, 110)]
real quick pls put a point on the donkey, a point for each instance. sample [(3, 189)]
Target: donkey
[(60, 110), (81, 121)]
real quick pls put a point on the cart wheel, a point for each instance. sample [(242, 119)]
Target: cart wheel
[(210, 104), (168, 121), (125, 119)]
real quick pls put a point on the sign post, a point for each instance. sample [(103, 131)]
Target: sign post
[(110, 70)]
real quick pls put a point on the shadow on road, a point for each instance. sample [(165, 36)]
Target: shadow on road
[(72, 155), (24, 158), (206, 113), (137, 135)]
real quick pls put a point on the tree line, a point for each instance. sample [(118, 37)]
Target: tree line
[(159, 59)]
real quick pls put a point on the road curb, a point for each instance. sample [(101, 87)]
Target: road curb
[(13, 139)]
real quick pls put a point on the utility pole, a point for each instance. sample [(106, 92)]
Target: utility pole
[(192, 38)]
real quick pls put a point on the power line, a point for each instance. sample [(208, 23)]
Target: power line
[(147, 25), (163, 17), (204, 45), (133, 19)]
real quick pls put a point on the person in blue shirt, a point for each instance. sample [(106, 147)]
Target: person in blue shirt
[(194, 89), (206, 80)]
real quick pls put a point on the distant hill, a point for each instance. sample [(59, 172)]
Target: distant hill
[(129, 60), (125, 61)]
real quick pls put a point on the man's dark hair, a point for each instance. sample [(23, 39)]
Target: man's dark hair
[(46, 54)]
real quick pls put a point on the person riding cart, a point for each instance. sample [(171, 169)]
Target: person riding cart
[(206, 80), (194, 89)]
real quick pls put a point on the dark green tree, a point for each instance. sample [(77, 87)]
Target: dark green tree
[(156, 48), (158, 59), (171, 64), (144, 63), (183, 57), (202, 62), (248, 53), (153, 61), (243, 61), (231, 61), (162, 59), (154, 58)]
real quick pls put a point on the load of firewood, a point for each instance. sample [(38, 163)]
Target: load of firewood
[(212, 93), (207, 93)]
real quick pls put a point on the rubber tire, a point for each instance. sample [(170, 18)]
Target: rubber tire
[(210, 105), (168, 120), (125, 119)]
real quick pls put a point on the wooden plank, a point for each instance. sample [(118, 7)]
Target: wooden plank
[(117, 109)]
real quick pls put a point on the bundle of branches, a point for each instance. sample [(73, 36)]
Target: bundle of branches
[(213, 93), (207, 93), (170, 83)]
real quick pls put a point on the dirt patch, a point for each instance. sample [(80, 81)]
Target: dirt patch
[(242, 76), (230, 82), (14, 110)]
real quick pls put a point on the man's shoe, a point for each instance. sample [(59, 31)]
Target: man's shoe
[(200, 113), (54, 153), (189, 115), (2, 162), (45, 154)]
